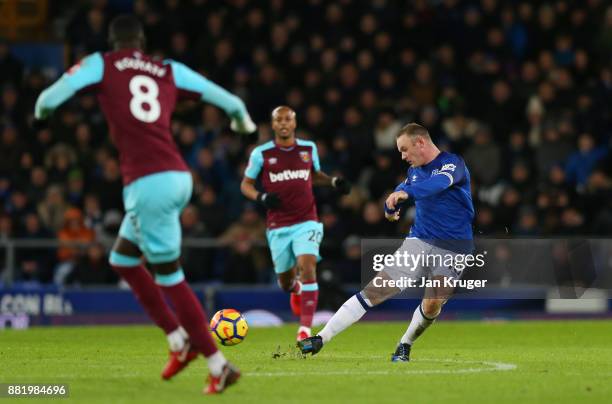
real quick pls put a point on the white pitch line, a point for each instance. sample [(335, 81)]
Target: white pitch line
[(494, 367)]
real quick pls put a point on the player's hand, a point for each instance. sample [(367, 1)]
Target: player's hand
[(41, 114), (244, 125), (393, 217), (40, 124), (269, 200), (341, 185), (395, 198)]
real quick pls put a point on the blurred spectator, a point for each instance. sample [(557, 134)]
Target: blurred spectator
[(73, 231), (109, 187), (197, 262), (241, 236), (373, 223), (349, 266), (6, 227), (58, 161), (211, 212), (552, 151), (52, 209), (11, 69), (581, 163), (35, 264), (382, 177), (483, 158), (386, 129), (92, 267), (11, 149)]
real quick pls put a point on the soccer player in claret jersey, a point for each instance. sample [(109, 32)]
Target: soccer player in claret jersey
[(439, 183), (137, 94), (288, 168)]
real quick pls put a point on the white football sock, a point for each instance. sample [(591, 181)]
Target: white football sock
[(216, 362), (418, 324), (350, 312), (177, 339)]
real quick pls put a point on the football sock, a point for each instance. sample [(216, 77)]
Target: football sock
[(216, 362), (417, 326), (189, 311), (177, 339), (307, 330), (350, 312), (148, 294), (308, 304)]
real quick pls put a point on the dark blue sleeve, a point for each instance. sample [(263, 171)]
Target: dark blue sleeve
[(451, 171)]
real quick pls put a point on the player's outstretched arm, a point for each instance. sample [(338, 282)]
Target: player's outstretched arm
[(451, 172), (341, 185), (191, 81), (431, 186), (87, 72)]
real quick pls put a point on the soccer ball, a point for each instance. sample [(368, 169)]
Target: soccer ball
[(229, 327)]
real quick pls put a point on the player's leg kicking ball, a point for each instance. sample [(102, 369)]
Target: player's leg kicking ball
[(355, 307)]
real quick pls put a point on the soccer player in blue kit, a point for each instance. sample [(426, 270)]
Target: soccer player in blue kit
[(439, 183)]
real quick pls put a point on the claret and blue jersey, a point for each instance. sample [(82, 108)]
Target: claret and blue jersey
[(287, 171), (442, 195), (137, 94)]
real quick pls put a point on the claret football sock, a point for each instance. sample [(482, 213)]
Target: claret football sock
[(189, 311), (418, 325), (149, 295), (308, 304), (351, 311)]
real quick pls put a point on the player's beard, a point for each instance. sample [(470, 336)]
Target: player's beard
[(285, 137)]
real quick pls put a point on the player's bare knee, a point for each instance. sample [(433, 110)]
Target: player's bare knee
[(432, 307), (307, 265), (308, 273), (286, 280), (166, 268), (376, 295), (285, 285), (126, 247)]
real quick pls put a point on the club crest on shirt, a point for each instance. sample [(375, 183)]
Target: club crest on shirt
[(305, 156)]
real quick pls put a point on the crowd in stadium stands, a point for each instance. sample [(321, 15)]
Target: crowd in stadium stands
[(522, 90)]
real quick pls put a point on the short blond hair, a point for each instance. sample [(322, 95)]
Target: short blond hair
[(414, 130)]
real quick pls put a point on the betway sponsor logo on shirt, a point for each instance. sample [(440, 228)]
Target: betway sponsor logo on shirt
[(287, 175)]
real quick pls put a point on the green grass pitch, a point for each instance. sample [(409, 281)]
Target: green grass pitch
[(475, 362)]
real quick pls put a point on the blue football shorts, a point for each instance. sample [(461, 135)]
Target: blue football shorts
[(153, 206), (287, 243)]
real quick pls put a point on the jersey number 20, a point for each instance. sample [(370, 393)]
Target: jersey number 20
[(144, 92)]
